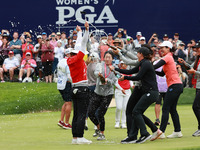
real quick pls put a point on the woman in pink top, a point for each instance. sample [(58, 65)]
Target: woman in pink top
[(175, 88)]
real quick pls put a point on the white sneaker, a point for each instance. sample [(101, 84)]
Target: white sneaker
[(101, 137), (83, 141), (123, 126), (117, 125), (162, 136), (74, 141), (25, 80), (175, 135), (155, 135), (196, 133)]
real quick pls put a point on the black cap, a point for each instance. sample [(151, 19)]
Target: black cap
[(109, 34), (144, 51)]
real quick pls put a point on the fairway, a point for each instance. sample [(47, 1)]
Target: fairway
[(39, 131)]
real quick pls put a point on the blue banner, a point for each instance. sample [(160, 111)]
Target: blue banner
[(180, 16)]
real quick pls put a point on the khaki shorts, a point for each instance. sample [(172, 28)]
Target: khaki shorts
[(25, 71)]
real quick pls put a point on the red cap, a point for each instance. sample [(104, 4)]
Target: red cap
[(11, 52)]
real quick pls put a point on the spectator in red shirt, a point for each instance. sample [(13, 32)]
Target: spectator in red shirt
[(27, 67), (47, 58), (27, 47)]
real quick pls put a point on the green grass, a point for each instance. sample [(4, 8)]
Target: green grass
[(39, 131), (18, 98)]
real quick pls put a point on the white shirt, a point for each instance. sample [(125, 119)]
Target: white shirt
[(137, 44), (59, 52), (63, 74), (64, 42), (10, 63), (94, 47)]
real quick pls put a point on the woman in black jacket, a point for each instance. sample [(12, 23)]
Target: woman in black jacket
[(149, 91)]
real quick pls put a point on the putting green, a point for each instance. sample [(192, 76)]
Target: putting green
[(39, 131)]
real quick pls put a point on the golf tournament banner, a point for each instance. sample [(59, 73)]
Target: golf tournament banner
[(37, 16)]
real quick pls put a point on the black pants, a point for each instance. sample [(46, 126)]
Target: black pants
[(101, 103), (196, 106), (144, 102), (80, 105), (47, 67), (169, 106), (133, 100)]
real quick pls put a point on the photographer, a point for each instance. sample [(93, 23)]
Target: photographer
[(27, 47), (120, 33), (153, 37)]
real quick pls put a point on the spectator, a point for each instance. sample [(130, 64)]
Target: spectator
[(10, 64), (165, 37), (190, 48), (58, 36), (4, 49), (59, 51), (136, 41), (47, 59), (53, 39), (44, 36), (130, 44), (94, 45), (38, 53), (176, 39), (63, 39), (103, 48), (142, 41), (110, 39), (27, 47), (153, 37), (15, 45), (27, 67), (120, 33), (181, 52)]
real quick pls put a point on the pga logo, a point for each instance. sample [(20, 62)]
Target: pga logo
[(105, 15)]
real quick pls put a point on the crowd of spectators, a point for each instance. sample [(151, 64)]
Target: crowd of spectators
[(22, 60)]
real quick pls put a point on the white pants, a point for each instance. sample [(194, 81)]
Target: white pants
[(121, 102)]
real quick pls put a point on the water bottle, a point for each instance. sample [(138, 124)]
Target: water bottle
[(38, 80)]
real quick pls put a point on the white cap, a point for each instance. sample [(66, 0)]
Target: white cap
[(166, 43), (121, 62), (39, 36), (67, 51), (142, 38), (75, 51), (59, 41), (139, 33), (28, 53)]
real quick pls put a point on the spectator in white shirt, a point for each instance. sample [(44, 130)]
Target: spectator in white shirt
[(10, 64), (59, 51)]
